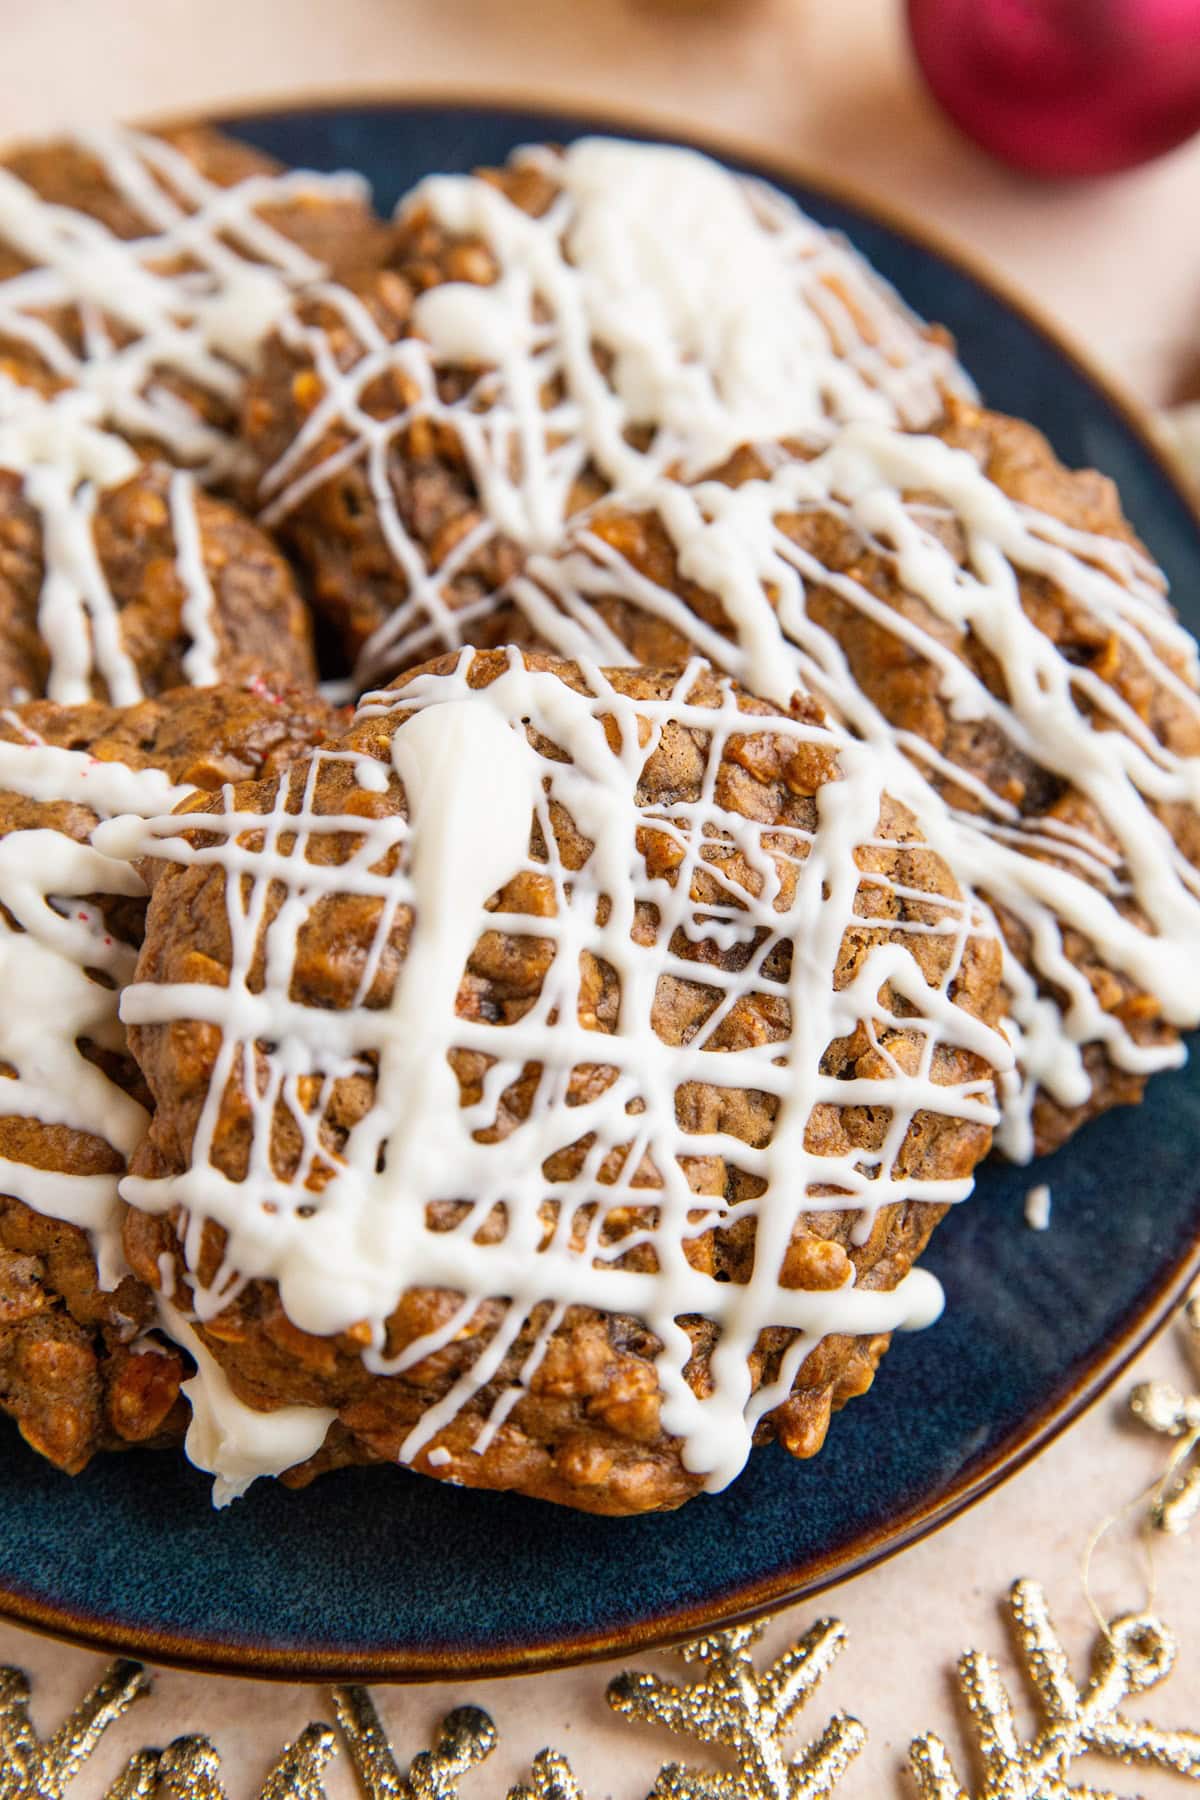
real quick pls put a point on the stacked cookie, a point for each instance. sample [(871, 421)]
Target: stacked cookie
[(770, 777), (153, 641)]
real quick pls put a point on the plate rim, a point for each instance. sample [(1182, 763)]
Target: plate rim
[(1034, 1433)]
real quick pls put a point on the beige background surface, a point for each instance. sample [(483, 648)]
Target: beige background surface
[(828, 82)]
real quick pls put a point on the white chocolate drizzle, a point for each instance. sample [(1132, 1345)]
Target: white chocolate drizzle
[(192, 296), (200, 659), (700, 289), (234, 1442), (60, 972), (347, 1230), (65, 459), (1037, 1207)]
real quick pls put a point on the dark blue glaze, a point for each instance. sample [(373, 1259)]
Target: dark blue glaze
[(380, 1571)]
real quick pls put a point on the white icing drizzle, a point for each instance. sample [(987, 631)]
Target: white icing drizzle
[(53, 943), (191, 296), (77, 617), (65, 458), (725, 311), (41, 771), (1037, 1207), (347, 1231), (234, 1442), (200, 666), (63, 433)]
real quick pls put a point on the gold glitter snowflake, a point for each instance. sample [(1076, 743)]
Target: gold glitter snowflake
[(1164, 1409), (748, 1712), (551, 1778), (467, 1735), (751, 1713), (1135, 1654), (31, 1769), (190, 1768)]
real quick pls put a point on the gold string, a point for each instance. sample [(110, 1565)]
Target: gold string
[(1152, 1497)]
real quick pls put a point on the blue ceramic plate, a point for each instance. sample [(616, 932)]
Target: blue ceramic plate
[(382, 1574)]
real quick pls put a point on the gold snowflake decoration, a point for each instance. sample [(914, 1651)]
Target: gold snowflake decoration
[(190, 1768), (31, 1769), (748, 1712), (751, 1713), (1136, 1653), (551, 1778), (467, 1735), (1176, 1499)]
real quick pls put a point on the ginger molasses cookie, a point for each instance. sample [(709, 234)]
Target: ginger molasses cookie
[(625, 420), (554, 1081), (77, 1369)]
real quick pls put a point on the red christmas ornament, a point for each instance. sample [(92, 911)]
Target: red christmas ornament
[(1064, 87)]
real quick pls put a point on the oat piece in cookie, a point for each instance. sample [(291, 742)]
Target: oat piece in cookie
[(77, 1371), (119, 580), (576, 322), (144, 269), (969, 605), (573, 1065)]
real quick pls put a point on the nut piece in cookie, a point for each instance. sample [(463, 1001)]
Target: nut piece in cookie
[(561, 1073), (77, 1370)]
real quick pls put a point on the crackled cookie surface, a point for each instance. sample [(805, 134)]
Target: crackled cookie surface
[(554, 1080), (77, 1370)]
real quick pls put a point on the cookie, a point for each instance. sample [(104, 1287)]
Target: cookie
[(990, 624), (554, 1082), (577, 322), (143, 270)]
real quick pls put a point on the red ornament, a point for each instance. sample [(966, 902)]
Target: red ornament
[(1064, 87)]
